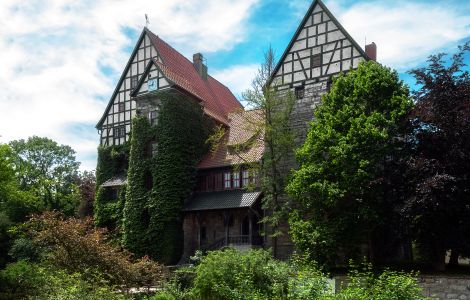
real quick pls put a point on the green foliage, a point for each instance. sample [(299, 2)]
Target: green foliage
[(231, 274), (47, 170), (136, 211), (112, 161), (273, 122), (163, 295), (24, 248), (182, 130), (344, 153), (23, 280), (388, 285), (76, 246), (15, 204)]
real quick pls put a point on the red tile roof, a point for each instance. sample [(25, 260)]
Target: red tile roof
[(216, 98), (243, 142)]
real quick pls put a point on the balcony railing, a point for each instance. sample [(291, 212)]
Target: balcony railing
[(235, 240)]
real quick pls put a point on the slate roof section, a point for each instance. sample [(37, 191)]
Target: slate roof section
[(217, 99), (115, 181), (221, 200), (243, 142)]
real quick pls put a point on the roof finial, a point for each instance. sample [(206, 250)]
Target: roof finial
[(147, 22)]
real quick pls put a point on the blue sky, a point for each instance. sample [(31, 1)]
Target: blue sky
[(61, 59)]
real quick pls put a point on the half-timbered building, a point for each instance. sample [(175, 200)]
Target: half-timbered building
[(222, 211)]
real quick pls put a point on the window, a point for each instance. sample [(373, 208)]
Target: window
[(121, 107), (153, 115), (254, 177), (245, 178), (120, 131), (236, 180), (316, 60), (227, 180), (134, 81), (299, 92)]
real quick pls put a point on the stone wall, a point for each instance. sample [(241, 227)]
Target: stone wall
[(435, 287), (445, 287)]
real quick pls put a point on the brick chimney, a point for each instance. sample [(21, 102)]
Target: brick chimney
[(371, 51), (198, 62)]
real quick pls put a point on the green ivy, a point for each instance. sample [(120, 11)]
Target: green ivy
[(182, 130), (112, 161), (136, 215)]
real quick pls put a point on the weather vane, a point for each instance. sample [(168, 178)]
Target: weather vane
[(147, 22)]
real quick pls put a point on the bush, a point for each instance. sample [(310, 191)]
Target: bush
[(24, 248), (164, 295), (388, 285), (230, 274), (26, 280), (77, 247)]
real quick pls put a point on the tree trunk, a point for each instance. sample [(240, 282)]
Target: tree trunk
[(454, 258)]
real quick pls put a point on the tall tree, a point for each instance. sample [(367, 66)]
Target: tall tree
[(48, 170), (86, 186), (273, 122), (348, 143), (438, 205)]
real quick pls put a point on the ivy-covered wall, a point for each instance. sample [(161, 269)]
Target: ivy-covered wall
[(159, 185), (112, 161), (182, 130), (139, 184)]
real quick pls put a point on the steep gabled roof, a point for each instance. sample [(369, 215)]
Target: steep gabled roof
[(216, 98), (301, 26), (243, 142)]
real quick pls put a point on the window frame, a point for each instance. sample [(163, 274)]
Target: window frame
[(153, 121), (300, 92), (316, 60), (245, 178), (227, 180), (236, 180), (120, 131), (134, 81)]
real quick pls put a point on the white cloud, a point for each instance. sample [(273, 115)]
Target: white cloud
[(405, 32), (52, 51), (237, 78)]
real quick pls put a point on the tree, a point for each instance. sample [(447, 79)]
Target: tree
[(86, 186), (47, 170), (15, 204), (341, 201), (76, 246), (438, 204), (273, 123)]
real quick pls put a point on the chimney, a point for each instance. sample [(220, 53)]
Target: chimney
[(198, 61), (371, 51)]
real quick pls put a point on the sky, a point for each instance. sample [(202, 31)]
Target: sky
[(60, 60)]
